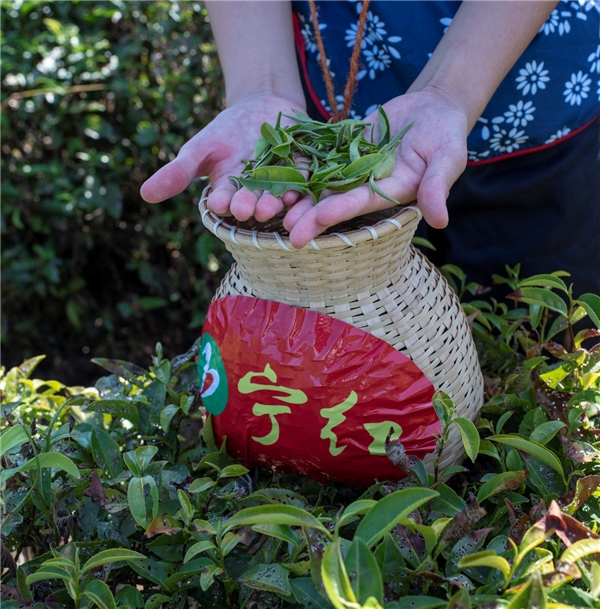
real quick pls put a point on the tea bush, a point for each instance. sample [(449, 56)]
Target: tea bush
[(95, 98), (111, 498)]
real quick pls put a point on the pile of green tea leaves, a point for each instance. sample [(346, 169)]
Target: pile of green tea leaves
[(312, 156)]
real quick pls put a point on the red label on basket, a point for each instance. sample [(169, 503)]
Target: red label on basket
[(297, 390)]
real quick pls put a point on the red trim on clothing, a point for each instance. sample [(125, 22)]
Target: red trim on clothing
[(301, 48), (511, 155)]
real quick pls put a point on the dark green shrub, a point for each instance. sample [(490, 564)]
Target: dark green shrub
[(95, 98), (118, 478)]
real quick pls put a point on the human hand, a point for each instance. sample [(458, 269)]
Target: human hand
[(217, 152), (430, 158)]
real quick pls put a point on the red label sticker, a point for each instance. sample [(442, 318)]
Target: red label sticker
[(312, 394)]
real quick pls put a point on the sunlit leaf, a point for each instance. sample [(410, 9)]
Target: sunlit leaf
[(11, 437), (276, 514), (469, 435), (335, 579), (111, 556), (591, 304), (43, 461)]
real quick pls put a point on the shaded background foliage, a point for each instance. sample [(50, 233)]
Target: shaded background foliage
[(95, 98)]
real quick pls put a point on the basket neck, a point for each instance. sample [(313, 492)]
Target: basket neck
[(308, 276)]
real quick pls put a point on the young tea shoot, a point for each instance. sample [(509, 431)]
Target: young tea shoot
[(311, 157)]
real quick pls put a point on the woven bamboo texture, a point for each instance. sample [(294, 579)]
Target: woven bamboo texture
[(372, 278)]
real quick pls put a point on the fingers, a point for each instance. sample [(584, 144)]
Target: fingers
[(243, 204), (305, 222), (401, 186), (297, 212), (220, 196), (441, 172), (268, 206), (290, 197)]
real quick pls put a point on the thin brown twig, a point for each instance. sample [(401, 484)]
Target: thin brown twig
[(351, 82), (323, 62), (350, 87), (18, 95)]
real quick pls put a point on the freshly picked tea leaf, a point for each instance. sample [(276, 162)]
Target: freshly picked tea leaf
[(334, 156), (275, 179)]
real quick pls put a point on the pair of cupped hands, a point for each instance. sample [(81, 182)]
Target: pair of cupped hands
[(430, 158)]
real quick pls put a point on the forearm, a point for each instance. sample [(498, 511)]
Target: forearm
[(255, 41), (481, 45)]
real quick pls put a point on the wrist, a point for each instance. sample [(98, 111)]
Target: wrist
[(467, 102), (264, 88)]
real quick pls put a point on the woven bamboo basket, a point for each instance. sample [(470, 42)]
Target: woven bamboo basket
[(373, 278)]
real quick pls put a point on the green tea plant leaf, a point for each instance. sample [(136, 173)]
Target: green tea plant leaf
[(43, 461), (306, 593), (469, 435), (208, 575), (231, 471), (99, 593), (544, 281), (591, 304), (270, 577), (280, 531), (202, 484), (106, 452), (581, 549), (143, 455), (136, 498), (117, 408), (500, 483), (335, 579), (448, 503), (130, 597), (362, 506), (229, 541), (532, 595), (167, 414), (531, 448), (487, 558), (12, 437), (417, 602), (111, 556), (197, 548), (542, 297), (389, 511), (276, 514), (49, 573), (546, 480), (546, 431), (364, 572), (444, 407)]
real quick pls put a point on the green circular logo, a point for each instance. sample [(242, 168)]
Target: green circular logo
[(211, 372)]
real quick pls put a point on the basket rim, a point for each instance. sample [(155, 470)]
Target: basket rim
[(268, 240)]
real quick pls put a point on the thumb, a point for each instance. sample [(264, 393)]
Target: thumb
[(174, 177), (442, 171)]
